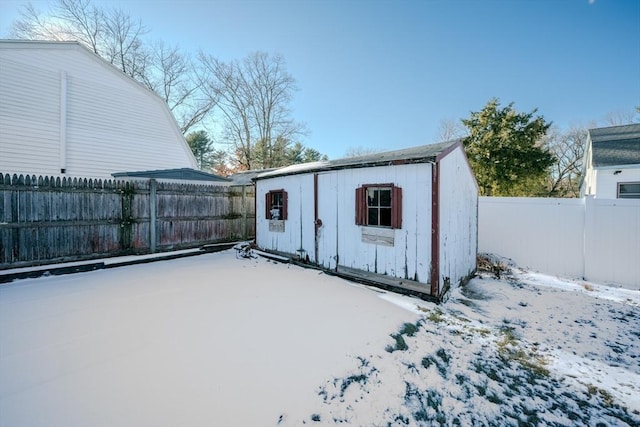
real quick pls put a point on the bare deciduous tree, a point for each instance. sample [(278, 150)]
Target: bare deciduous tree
[(170, 75), (449, 129), (253, 96), (123, 44), (568, 148), (620, 117)]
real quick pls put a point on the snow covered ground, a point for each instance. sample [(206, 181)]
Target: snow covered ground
[(215, 340)]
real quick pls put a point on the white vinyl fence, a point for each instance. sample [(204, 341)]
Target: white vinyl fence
[(594, 239)]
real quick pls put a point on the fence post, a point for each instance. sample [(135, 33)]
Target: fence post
[(126, 226), (15, 218), (153, 214), (244, 212), (588, 224)]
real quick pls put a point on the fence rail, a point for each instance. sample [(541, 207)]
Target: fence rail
[(50, 219)]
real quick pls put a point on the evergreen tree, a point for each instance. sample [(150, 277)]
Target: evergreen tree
[(505, 150), (202, 148)]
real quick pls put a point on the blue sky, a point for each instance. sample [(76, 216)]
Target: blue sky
[(383, 74)]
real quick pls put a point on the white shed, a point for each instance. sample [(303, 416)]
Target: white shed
[(66, 111), (405, 220)]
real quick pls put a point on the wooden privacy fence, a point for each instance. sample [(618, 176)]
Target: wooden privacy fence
[(49, 219)]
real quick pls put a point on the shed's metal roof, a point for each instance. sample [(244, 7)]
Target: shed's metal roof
[(421, 154), (181, 173), (615, 145)]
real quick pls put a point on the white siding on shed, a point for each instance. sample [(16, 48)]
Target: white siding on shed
[(409, 257), (299, 228), (113, 124), (339, 238), (433, 242), (458, 223)]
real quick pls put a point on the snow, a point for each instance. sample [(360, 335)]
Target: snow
[(217, 340)]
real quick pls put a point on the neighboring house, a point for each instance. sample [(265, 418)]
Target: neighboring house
[(404, 219), (66, 111), (612, 163)]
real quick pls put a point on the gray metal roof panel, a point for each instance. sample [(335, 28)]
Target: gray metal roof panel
[(421, 154), (181, 173)]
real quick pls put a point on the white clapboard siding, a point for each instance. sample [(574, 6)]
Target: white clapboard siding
[(29, 130), (606, 180), (110, 122)]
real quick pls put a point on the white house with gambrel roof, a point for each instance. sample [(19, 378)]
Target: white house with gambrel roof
[(612, 163), (66, 111)]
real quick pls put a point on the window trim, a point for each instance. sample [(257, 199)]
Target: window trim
[(633, 195), (268, 204), (362, 217)]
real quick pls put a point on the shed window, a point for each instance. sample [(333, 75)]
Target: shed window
[(276, 205), (629, 190), (379, 205)]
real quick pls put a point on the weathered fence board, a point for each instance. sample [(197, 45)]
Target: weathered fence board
[(48, 219)]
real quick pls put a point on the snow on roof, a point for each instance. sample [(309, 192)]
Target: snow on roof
[(421, 154)]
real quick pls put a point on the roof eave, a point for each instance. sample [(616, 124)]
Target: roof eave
[(428, 159)]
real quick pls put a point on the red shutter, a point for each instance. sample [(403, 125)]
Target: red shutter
[(267, 205), (284, 205), (396, 207), (361, 206)]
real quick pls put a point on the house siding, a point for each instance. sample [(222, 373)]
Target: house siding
[(112, 124), (29, 118), (607, 182)]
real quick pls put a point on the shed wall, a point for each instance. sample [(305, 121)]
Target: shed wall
[(298, 228), (112, 124), (340, 240), (458, 219)]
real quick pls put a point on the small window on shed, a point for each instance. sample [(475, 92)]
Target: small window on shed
[(379, 205), (276, 205), (629, 190)]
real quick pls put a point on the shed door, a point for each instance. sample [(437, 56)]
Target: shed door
[(326, 213)]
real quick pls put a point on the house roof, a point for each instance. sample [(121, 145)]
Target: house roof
[(182, 174), (615, 145), (421, 154)]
